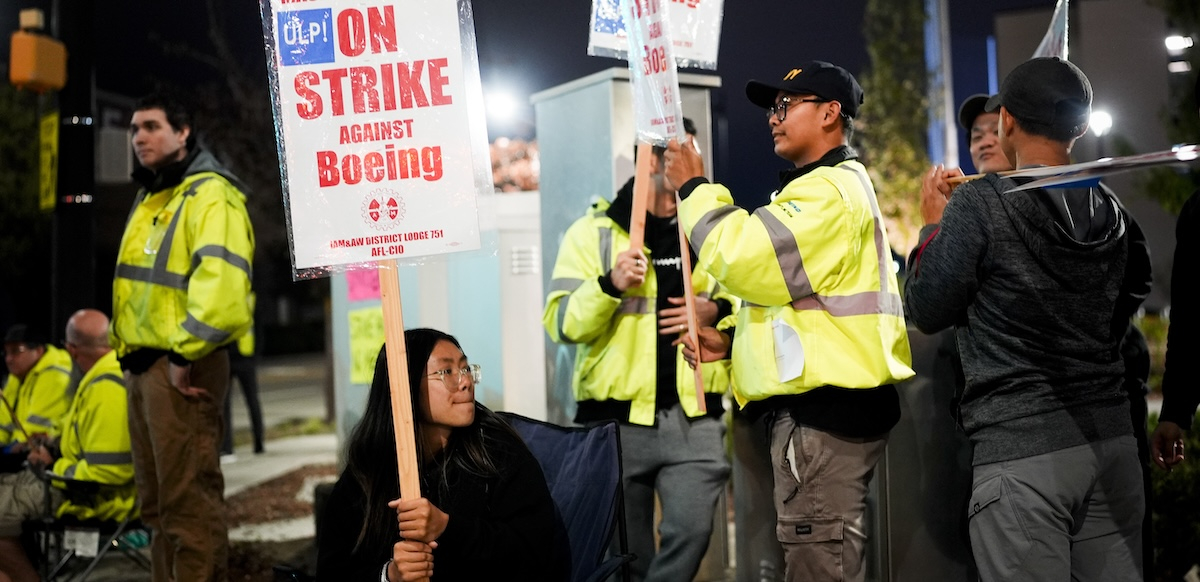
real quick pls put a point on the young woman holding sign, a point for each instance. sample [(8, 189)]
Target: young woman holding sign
[(485, 510)]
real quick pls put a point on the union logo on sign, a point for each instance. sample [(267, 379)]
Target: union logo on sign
[(382, 209), (305, 37)]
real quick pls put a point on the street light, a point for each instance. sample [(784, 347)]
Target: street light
[(1100, 122), (1176, 43), (501, 106)]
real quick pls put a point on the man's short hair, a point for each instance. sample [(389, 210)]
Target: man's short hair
[(1048, 97), (173, 108)]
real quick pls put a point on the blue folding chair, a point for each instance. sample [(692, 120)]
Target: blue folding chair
[(583, 471)]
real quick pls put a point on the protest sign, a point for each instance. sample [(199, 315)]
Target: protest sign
[(376, 137), (383, 149), (658, 116), (695, 30)]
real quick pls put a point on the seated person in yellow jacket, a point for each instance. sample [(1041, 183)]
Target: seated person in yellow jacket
[(39, 387), (93, 447)]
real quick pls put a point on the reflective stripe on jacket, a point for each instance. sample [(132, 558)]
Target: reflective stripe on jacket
[(40, 401), (816, 260), (95, 443), (182, 281), (616, 338)]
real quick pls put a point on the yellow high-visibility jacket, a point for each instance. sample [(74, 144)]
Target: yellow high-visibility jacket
[(812, 265), (40, 401), (183, 272), (95, 444), (616, 338)]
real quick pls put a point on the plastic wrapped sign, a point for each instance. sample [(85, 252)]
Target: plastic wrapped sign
[(657, 112), (383, 153), (695, 30)]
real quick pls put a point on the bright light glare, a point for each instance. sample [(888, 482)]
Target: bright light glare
[(1100, 122), (1176, 42), (501, 106), (1179, 67)]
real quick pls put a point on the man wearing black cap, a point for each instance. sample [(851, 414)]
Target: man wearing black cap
[(38, 388), (1040, 285), (820, 340), (983, 134)]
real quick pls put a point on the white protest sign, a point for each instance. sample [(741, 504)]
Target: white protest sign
[(657, 112), (695, 28), (376, 137)]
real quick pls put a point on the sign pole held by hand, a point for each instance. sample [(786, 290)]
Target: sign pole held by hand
[(658, 114), (641, 196), (397, 364), (693, 327)]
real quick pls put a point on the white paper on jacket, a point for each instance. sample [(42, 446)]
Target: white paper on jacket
[(789, 354)]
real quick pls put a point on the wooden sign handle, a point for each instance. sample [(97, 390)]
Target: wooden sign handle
[(397, 363), (689, 295), (642, 185)]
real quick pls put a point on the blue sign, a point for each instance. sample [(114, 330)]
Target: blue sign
[(305, 37), (608, 17)]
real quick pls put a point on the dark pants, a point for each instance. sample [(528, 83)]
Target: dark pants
[(243, 368)]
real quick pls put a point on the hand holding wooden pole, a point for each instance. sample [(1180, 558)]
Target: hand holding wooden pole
[(689, 294)]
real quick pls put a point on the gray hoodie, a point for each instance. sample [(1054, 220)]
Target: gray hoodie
[(1039, 286)]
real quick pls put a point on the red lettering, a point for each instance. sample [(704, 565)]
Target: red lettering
[(437, 82), (362, 88), (352, 33), (327, 172), (335, 76), (372, 166), (383, 29), (389, 86), (313, 108), (410, 85), (352, 169), (417, 83)]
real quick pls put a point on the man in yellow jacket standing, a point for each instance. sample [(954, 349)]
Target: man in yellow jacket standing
[(38, 390), (181, 292), (623, 309), (820, 340)]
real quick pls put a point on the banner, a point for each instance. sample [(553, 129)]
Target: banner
[(657, 112), (378, 113), (1054, 44), (695, 28)]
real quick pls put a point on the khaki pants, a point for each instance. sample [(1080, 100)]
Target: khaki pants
[(178, 473), (821, 498)]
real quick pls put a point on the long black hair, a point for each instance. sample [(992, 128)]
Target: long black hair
[(371, 452)]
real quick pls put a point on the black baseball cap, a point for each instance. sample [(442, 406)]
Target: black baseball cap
[(819, 78), (1048, 91), (25, 334), (970, 109)]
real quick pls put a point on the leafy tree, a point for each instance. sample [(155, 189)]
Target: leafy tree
[(890, 130)]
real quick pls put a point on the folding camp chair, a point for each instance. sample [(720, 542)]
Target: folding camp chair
[(583, 471), (56, 540)]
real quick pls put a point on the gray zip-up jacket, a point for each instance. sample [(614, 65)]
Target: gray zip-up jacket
[(1039, 285)]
